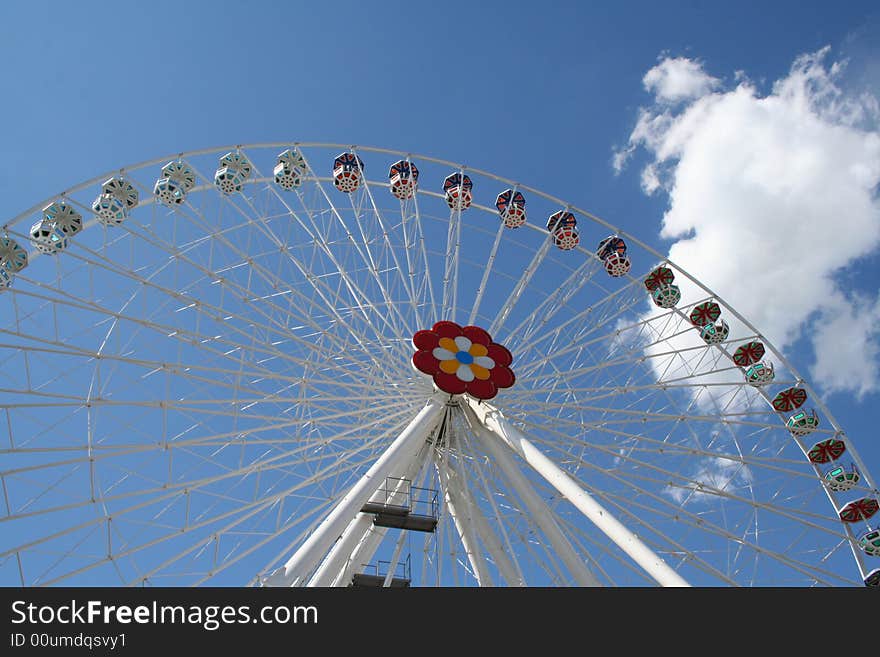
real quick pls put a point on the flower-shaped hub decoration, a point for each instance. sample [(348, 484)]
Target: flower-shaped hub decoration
[(463, 359)]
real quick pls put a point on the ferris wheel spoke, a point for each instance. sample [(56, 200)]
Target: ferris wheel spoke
[(740, 418), (573, 345), (542, 518), (641, 443), (183, 371), (336, 214), (651, 357), (169, 491), (538, 553), (589, 321), (551, 306), (810, 571), (662, 445), (521, 285), (598, 551), (173, 500), (220, 565), (626, 505), (365, 258), (319, 287), (594, 550), (443, 531), (316, 235), (244, 294), (176, 255), (64, 298), (597, 392), (429, 540), (729, 431), (551, 561), (514, 572), (266, 462), (162, 496), (427, 277), (569, 459), (246, 512), (625, 563), (668, 546), (304, 271), (409, 243), (514, 576), (331, 305), (678, 512), (129, 450), (481, 288), (166, 330), (703, 487), (395, 263), (450, 270)]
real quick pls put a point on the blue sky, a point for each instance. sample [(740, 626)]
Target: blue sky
[(543, 93), (506, 86)]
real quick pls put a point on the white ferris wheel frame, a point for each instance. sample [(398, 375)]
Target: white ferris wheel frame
[(326, 556)]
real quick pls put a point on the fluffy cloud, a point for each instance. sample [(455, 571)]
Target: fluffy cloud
[(678, 79), (711, 477), (850, 353), (771, 198)]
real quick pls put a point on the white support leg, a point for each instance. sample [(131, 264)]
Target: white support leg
[(394, 560), (343, 550), (495, 422), (463, 525), (362, 554), (400, 452), (366, 549), (539, 512)]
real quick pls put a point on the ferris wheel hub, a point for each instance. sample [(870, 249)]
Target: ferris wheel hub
[(463, 359)]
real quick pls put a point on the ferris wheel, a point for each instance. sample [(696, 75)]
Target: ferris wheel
[(303, 364)]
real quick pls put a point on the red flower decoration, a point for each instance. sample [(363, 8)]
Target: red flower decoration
[(463, 359)]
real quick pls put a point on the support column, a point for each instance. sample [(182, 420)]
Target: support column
[(362, 553), (342, 552), (401, 451), (539, 512), (494, 421), (394, 560)]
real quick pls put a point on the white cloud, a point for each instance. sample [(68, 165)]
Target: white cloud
[(678, 79), (849, 358), (770, 198), (711, 476)]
